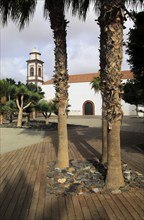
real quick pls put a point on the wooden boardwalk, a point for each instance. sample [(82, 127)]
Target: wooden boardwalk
[(23, 188)]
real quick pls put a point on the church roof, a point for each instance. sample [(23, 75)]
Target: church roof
[(88, 77)]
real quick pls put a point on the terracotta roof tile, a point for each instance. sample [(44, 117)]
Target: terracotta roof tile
[(88, 77)]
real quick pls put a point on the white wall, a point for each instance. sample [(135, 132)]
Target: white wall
[(49, 91), (81, 92), (78, 94)]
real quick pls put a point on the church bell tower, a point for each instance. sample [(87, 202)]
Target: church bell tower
[(35, 68)]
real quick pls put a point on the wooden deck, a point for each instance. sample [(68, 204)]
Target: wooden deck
[(23, 188)]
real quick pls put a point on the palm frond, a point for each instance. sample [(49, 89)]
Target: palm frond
[(47, 5), (135, 3), (95, 84), (20, 11), (74, 5)]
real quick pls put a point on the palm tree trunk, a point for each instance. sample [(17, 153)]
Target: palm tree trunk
[(62, 159), (111, 43), (114, 174), (104, 136), (58, 24)]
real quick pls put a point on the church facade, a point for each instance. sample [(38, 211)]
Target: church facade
[(82, 99)]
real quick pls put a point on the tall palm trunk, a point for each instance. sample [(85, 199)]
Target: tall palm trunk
[(104, 135), (58, 24), (111, 43)]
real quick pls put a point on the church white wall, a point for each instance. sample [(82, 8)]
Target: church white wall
[(78, 94), (81, 92), (49, 91), (128, 109)]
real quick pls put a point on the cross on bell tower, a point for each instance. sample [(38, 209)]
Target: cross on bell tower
[(35, 68)]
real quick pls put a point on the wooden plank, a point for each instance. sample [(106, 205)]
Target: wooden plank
[(28, 172), (85, 209), (70, 207), (92, 207), (76, 155), (24, 214), (141, 199), (133, 213), (36, 188), (55, 208), (9, 167), (11, 185), (71, 152), (53, 152), (62, 208), (133, 202), (48, 207), (100, 208), (11, 164), (142, 195), (114, 207), (4, 159), (20, 201), (107, 207), (7, 201), (42, 171), (122, 207), (14, 198), (77, 208)]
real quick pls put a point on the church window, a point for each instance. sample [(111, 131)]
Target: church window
[(31, 71), (39, 72)]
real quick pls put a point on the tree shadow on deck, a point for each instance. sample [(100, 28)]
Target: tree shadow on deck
[(15, 197), (87, 142)]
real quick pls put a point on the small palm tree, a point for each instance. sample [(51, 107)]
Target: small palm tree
[(96, 85), (20, 12)]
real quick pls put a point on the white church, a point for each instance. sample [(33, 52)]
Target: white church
[(82, 99)]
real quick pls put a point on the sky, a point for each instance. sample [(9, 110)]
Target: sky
[(82, 46)]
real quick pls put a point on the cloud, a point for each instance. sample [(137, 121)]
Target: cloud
[(13, 68), (82, 46)]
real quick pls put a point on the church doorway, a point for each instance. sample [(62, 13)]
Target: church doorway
[(88, 108)]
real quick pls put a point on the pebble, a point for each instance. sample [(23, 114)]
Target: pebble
[(117, 191), (96, 190), (85, 177), (63, 180)]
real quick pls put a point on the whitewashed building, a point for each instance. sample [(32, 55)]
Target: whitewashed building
[(82, 99)]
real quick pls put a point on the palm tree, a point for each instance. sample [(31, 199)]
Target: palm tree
[(111, 21), (96, 85), (20, 12)]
